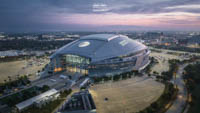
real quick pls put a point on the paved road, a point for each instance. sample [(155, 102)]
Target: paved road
[(180, 102)]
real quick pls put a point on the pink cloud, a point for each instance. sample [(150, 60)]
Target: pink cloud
[(175, 19)]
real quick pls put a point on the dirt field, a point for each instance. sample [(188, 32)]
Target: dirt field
[(22, 67), (126, 96)]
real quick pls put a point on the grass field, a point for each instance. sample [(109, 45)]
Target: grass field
[(21, 67), (126, 96)]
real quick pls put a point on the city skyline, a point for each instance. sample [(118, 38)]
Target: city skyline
[(99, 15)]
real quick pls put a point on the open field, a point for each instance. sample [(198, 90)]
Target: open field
[(22, 67), (126, 96)]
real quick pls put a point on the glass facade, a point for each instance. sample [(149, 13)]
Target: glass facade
[(75, 63), (74, 59), (117, 64), (79, 64)]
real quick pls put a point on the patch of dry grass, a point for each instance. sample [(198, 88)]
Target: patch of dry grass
[(18, 68), (126, 96)]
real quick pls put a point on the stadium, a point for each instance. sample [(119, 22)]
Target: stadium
[(100, 54)]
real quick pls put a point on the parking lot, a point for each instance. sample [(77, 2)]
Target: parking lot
[(52, 82)]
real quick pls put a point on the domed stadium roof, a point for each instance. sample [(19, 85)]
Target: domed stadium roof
[(101, 46)]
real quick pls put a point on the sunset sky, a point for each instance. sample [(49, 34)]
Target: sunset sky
[(99, 15)]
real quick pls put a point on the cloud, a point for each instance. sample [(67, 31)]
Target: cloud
[(194, 6), (100, 7), (59, 13)]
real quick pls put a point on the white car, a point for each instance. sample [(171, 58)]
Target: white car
[(53, 80)]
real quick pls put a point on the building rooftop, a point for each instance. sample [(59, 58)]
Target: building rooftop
[(81, 111), (30, 101), (80, 102)]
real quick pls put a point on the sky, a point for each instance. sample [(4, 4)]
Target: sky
[(99, 15)]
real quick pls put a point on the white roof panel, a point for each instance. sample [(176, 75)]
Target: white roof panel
[(30, 101)]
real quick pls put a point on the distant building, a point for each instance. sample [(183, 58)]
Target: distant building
[(11, 53), (38, 100), (194, 40), (2, 37)]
